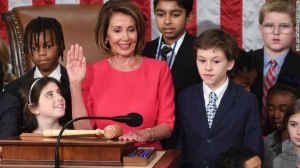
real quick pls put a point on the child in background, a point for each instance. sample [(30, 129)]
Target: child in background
[(171, 19), (44, 44), (216, 114), (245, 69), (291, 157), (238, 157), (277, 19), (10, 110), (9, 76), (42, 104), (176, 44), (279, 98)]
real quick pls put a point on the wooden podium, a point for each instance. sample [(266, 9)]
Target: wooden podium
[(78, 151), (73, 151)]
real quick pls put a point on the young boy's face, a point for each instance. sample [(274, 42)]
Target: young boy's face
[(171, 20), (279, 40), (277, 105), (245, 79), (44, 57), (213, 66)]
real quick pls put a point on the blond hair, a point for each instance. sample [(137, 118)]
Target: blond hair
[(279, 6)]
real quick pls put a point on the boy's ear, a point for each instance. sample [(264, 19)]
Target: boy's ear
[(33, 109), (230, 65), (260, 30), (294, 32), (189, 17)]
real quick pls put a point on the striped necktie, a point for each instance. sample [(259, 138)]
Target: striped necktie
[(164, 52), (268, 83)]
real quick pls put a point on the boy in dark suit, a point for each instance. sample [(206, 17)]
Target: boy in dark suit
[(277, 21), (175, 47), (44, 43), (10, 110), (216, 114)]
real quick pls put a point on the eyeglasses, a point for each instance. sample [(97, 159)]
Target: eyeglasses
[(282, 28)]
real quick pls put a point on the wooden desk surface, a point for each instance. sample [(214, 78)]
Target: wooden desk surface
[(169, 159)]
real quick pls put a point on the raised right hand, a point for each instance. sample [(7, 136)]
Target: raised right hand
[(76, 64)]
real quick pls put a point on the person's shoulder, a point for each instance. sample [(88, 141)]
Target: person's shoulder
[(95, 69), (259, 51), (287, 144), (241, 90), (270, 136), (235, 87), (150, 48), (154, 62), (100, 63), (189, 37), (286, 155), (293, 54), (240, 93), (96, 65), (23, 79), (18, 80), (152, 42), (8, 98), (269, 139), (190, 90), (279, 158), (285, 159), (14, 84)]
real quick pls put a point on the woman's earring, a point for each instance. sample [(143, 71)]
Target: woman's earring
[(105, 42)]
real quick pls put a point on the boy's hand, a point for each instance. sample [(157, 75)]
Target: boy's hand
[(76, 64)]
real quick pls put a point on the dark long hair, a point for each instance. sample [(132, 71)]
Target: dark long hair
[(33, 89)]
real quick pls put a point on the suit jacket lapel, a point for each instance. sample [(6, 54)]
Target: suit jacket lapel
[(224, 105), (182, 55), (151, 48), (257, 87), (261, 68), (64, 74), (287, 64), (200, 107), (28, 76)]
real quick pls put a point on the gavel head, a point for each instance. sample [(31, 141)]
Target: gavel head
[(113, 131)]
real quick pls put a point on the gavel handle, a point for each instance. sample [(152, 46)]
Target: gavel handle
[(54, 133)]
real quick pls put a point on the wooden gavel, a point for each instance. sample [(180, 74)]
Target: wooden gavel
[(109, 132)]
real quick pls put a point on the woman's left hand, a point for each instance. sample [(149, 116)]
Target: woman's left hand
[(138, 136)]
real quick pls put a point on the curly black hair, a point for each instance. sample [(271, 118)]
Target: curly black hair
[(39, 25), (235, 157), (246, 61), (287, 82)]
